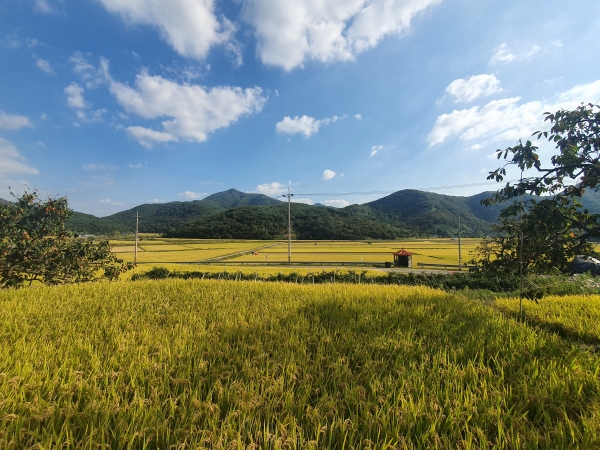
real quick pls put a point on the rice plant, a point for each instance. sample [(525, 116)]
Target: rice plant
[(218, 364)]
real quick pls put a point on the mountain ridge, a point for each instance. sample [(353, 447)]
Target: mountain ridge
[(235, 214)]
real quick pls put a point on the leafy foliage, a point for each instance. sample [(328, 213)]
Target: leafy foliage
[(35, 245), (556, 228)]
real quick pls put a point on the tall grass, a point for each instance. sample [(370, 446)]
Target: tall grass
[(216, 364), (576, 318)]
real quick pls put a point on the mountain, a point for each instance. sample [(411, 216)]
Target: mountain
[(270, 222), (3, 201), (426, 213), (235, 214), (165, 217), (233, 198), (89, 224)]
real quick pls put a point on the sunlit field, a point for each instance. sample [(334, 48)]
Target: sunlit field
[(159, 251), (223, 364), (574, 317)]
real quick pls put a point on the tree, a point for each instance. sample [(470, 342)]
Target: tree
[(554, 228), (35, 245)]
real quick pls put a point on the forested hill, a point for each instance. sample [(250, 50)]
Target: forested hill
[(406, 213), (270, 222), (430, 214), (233, 198), (234, 214), (165, 217)]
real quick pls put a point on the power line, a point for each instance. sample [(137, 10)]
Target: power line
[(391, 191)]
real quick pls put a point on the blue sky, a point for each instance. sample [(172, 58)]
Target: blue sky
[(115, 103)]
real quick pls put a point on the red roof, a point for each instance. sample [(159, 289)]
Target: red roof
[(402, 253)]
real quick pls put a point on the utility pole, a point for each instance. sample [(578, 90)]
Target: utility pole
[(521, 250), (459, 254), (289, 197), (137, 220)]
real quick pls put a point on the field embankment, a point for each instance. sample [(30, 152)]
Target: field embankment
[(215, 364)]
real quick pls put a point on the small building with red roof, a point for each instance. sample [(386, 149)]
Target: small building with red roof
[(402, 258)]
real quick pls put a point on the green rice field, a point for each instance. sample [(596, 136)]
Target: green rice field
[(239, 365)]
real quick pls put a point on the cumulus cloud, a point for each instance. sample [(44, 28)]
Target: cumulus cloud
[(12, 162), (306, 201), (375, 149), (468, 89), (507, 119), (328, 174), (44, 66), (271, 189), (336, 203), (107, 201), (193, 111), (148, 137), (190, 27), (75, 98), (357, 116), (305, 125), (155, 200), (192, 195), (92, 76), (290, 33), (13, 122)]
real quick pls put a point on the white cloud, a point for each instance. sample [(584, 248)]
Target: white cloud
[(328, 174), (189, 26), (92, 76), (305, 125), (534, 51), (306, 201), (43, 116), (148, 137), (375, 149), (474, 147), (13, 122), (76, 101), (271, 189), (155, 200), (107, 201), (135, 166), (468, 89), (44, 66), (93, 167), (290, 33), (502, 54), (42, 6), (192, 195), (357, 116), (582, 93), (336, 203), (74, 94), (12, 162), (193, 111), (507, 119)]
